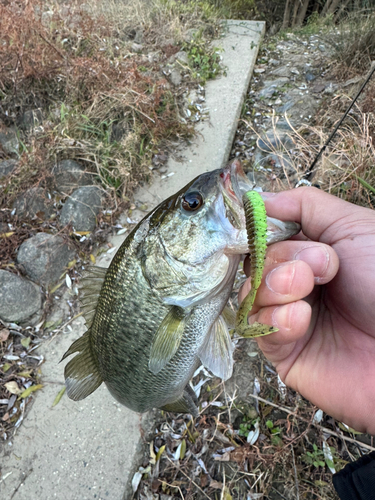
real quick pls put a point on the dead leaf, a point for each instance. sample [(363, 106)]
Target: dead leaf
[(4, 334), (5, 417), (13, 388), (216, 485)]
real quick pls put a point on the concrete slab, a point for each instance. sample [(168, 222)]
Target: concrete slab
[(224, 99), (90, 449)]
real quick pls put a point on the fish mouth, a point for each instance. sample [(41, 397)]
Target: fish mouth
[(235, 184)]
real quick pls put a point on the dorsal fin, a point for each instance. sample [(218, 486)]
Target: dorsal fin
[(82, 376), (91, 285)]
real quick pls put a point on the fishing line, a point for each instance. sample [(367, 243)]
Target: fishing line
[(310, 171)]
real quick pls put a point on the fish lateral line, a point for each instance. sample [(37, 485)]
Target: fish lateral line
[(256, 228)]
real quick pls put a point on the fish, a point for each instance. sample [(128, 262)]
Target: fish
[(157, 313)]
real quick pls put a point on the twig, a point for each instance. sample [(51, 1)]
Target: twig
[(323, 429), (295, 473), (195, 484), (51, 45), (174, 486)]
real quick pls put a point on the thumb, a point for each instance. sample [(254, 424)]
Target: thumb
[(315, 210)]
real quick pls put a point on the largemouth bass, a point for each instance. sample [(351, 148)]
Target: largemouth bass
[(156, 314)]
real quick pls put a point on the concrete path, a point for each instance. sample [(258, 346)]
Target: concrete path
[(91, 449)]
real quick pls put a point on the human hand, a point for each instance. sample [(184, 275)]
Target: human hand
[(319, 290)]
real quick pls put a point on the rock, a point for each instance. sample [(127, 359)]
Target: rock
[(298, 106), (81, 208), (44, 257), (70, 175), (294, 71), (153, 56), (274, 141), (182, 57), (271, 86), (138, 38), (190, 34), (9, 141), (34, 203), (20, 299), (309, 76), (175, 77), (31, 119), (283, 71), (137, 47), (7, 167)]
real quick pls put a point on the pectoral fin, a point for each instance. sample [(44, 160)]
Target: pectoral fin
[(217, 352), (82, 376), (167, 339)]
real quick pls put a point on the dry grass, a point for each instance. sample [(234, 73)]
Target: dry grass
[(353, 43), (104, 102)]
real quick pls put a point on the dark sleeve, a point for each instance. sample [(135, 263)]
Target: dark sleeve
[(356, 481)]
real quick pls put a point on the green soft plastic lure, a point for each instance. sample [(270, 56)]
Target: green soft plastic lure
[(256, 226)]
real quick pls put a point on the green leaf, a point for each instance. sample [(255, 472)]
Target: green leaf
[(183, 449), (31, 389), (26, 342), (269, 424), (160, 452), (59, 396)]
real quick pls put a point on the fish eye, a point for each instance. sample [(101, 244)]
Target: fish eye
[(192, 201)]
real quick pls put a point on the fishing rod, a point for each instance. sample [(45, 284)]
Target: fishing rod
[(310, 171)]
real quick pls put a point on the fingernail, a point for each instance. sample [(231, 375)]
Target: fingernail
[(267, 196), (316, 257), (280, 279)]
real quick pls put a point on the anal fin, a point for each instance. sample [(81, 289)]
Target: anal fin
[(186, 403), (82, 376)]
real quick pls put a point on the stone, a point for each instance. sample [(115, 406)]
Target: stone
[(175, 77), (9, 141), (81, 208), (70, 175), (190, 34), (34, 203), (309, 76), (182, 57), (31, 119), (138, 38), (283, 71), (20, 299), (44, 257), (7, 167), (298, 106), (271, 86), (274, 141), (137, 47)]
